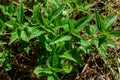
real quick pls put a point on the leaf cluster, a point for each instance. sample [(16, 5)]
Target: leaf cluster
[(63, 40)]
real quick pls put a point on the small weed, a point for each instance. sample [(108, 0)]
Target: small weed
[(62, 39)]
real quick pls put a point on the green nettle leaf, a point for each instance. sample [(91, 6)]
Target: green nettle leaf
[(71, 26), (33, 22), (91, 30), (56, 13), (48, 62), (54, 59), (8, 67), (35, 11), (50, 77), (53, 77), (64, 24), (83, 8), (84, 42), (77, 34), (61, 39), (102, 50), (14, 36), (68, 55), (1, 43), (24, 36), (73, 57), (77, 1), (9, 25), (114, 34), (88, 6), (110, 20), (36, 32), (47, 46), (20, 13), (67, 68), (55, 3), (39, 70), (5, 9), (111, 43), (80, 24), (101, 47), (100, 23), (102, 40), (42, 20)]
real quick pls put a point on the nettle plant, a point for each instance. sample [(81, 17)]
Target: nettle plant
[(63, 40)]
